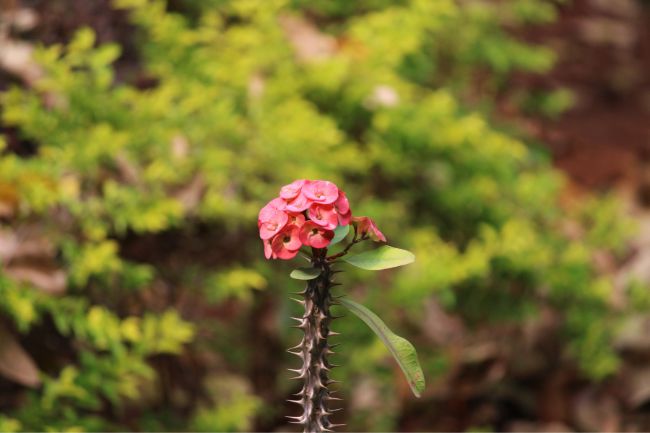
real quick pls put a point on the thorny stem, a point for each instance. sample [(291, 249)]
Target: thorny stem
[(314, 349)]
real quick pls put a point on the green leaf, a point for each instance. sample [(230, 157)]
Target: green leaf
[(384, 257), (340, 232), (402, 350), (305, 273)]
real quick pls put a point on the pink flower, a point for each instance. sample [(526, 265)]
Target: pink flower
[(366, 226), (271, 220), (324, 216), (321, 191), (270, 209), (268, 251), (306, 213), (291, 191), (315, 236), (344, 219), (296, 219), (342, 206), (299, 204), (285, 245), (278, 203)]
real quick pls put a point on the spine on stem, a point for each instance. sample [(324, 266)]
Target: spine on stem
[(314, 350)]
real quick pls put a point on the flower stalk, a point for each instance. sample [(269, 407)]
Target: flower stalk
[(314, 349)]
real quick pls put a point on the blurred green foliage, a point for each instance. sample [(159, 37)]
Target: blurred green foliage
[(243, 97)]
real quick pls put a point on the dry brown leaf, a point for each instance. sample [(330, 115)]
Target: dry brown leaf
[(597, 411), (637, 386), (621, 8), (28, 256), (607, 31), (180, 147), (49, 280), (8, 200), (16, 364), (128, 169), (16, 57), (440, 326), (8, 245), (256, 86), (22, 20), (190, 195), (634, 335), (307, 40)]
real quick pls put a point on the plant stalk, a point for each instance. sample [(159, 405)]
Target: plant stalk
[(314, 349)]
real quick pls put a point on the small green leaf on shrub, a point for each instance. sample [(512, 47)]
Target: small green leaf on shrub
[(402, 350), (340, 232), (384, 257), (304, 273)]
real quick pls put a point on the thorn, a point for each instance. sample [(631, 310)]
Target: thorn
[(298, 354), (295, 370), (298, 346), (331, 381), (300, 301), (298, 402), (301, 326), (337, 425), (298, 419), (297, 378), (333, 333), (302, 292), (330, 398)]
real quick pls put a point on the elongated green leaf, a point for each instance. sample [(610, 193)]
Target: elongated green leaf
[(304, 273), (402, 350), (340, 232), (384, 257)]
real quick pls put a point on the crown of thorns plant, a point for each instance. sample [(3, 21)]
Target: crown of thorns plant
[(316, 214)]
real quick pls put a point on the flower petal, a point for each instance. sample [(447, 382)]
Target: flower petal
[(291, 191), (323, 215), (321, 191), (274, 223), (342, 204), (315, 236), (299, 204)]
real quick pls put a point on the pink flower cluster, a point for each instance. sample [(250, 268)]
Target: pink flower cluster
[(306, 213)]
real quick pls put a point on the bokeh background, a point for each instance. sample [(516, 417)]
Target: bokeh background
[(505, 142)]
